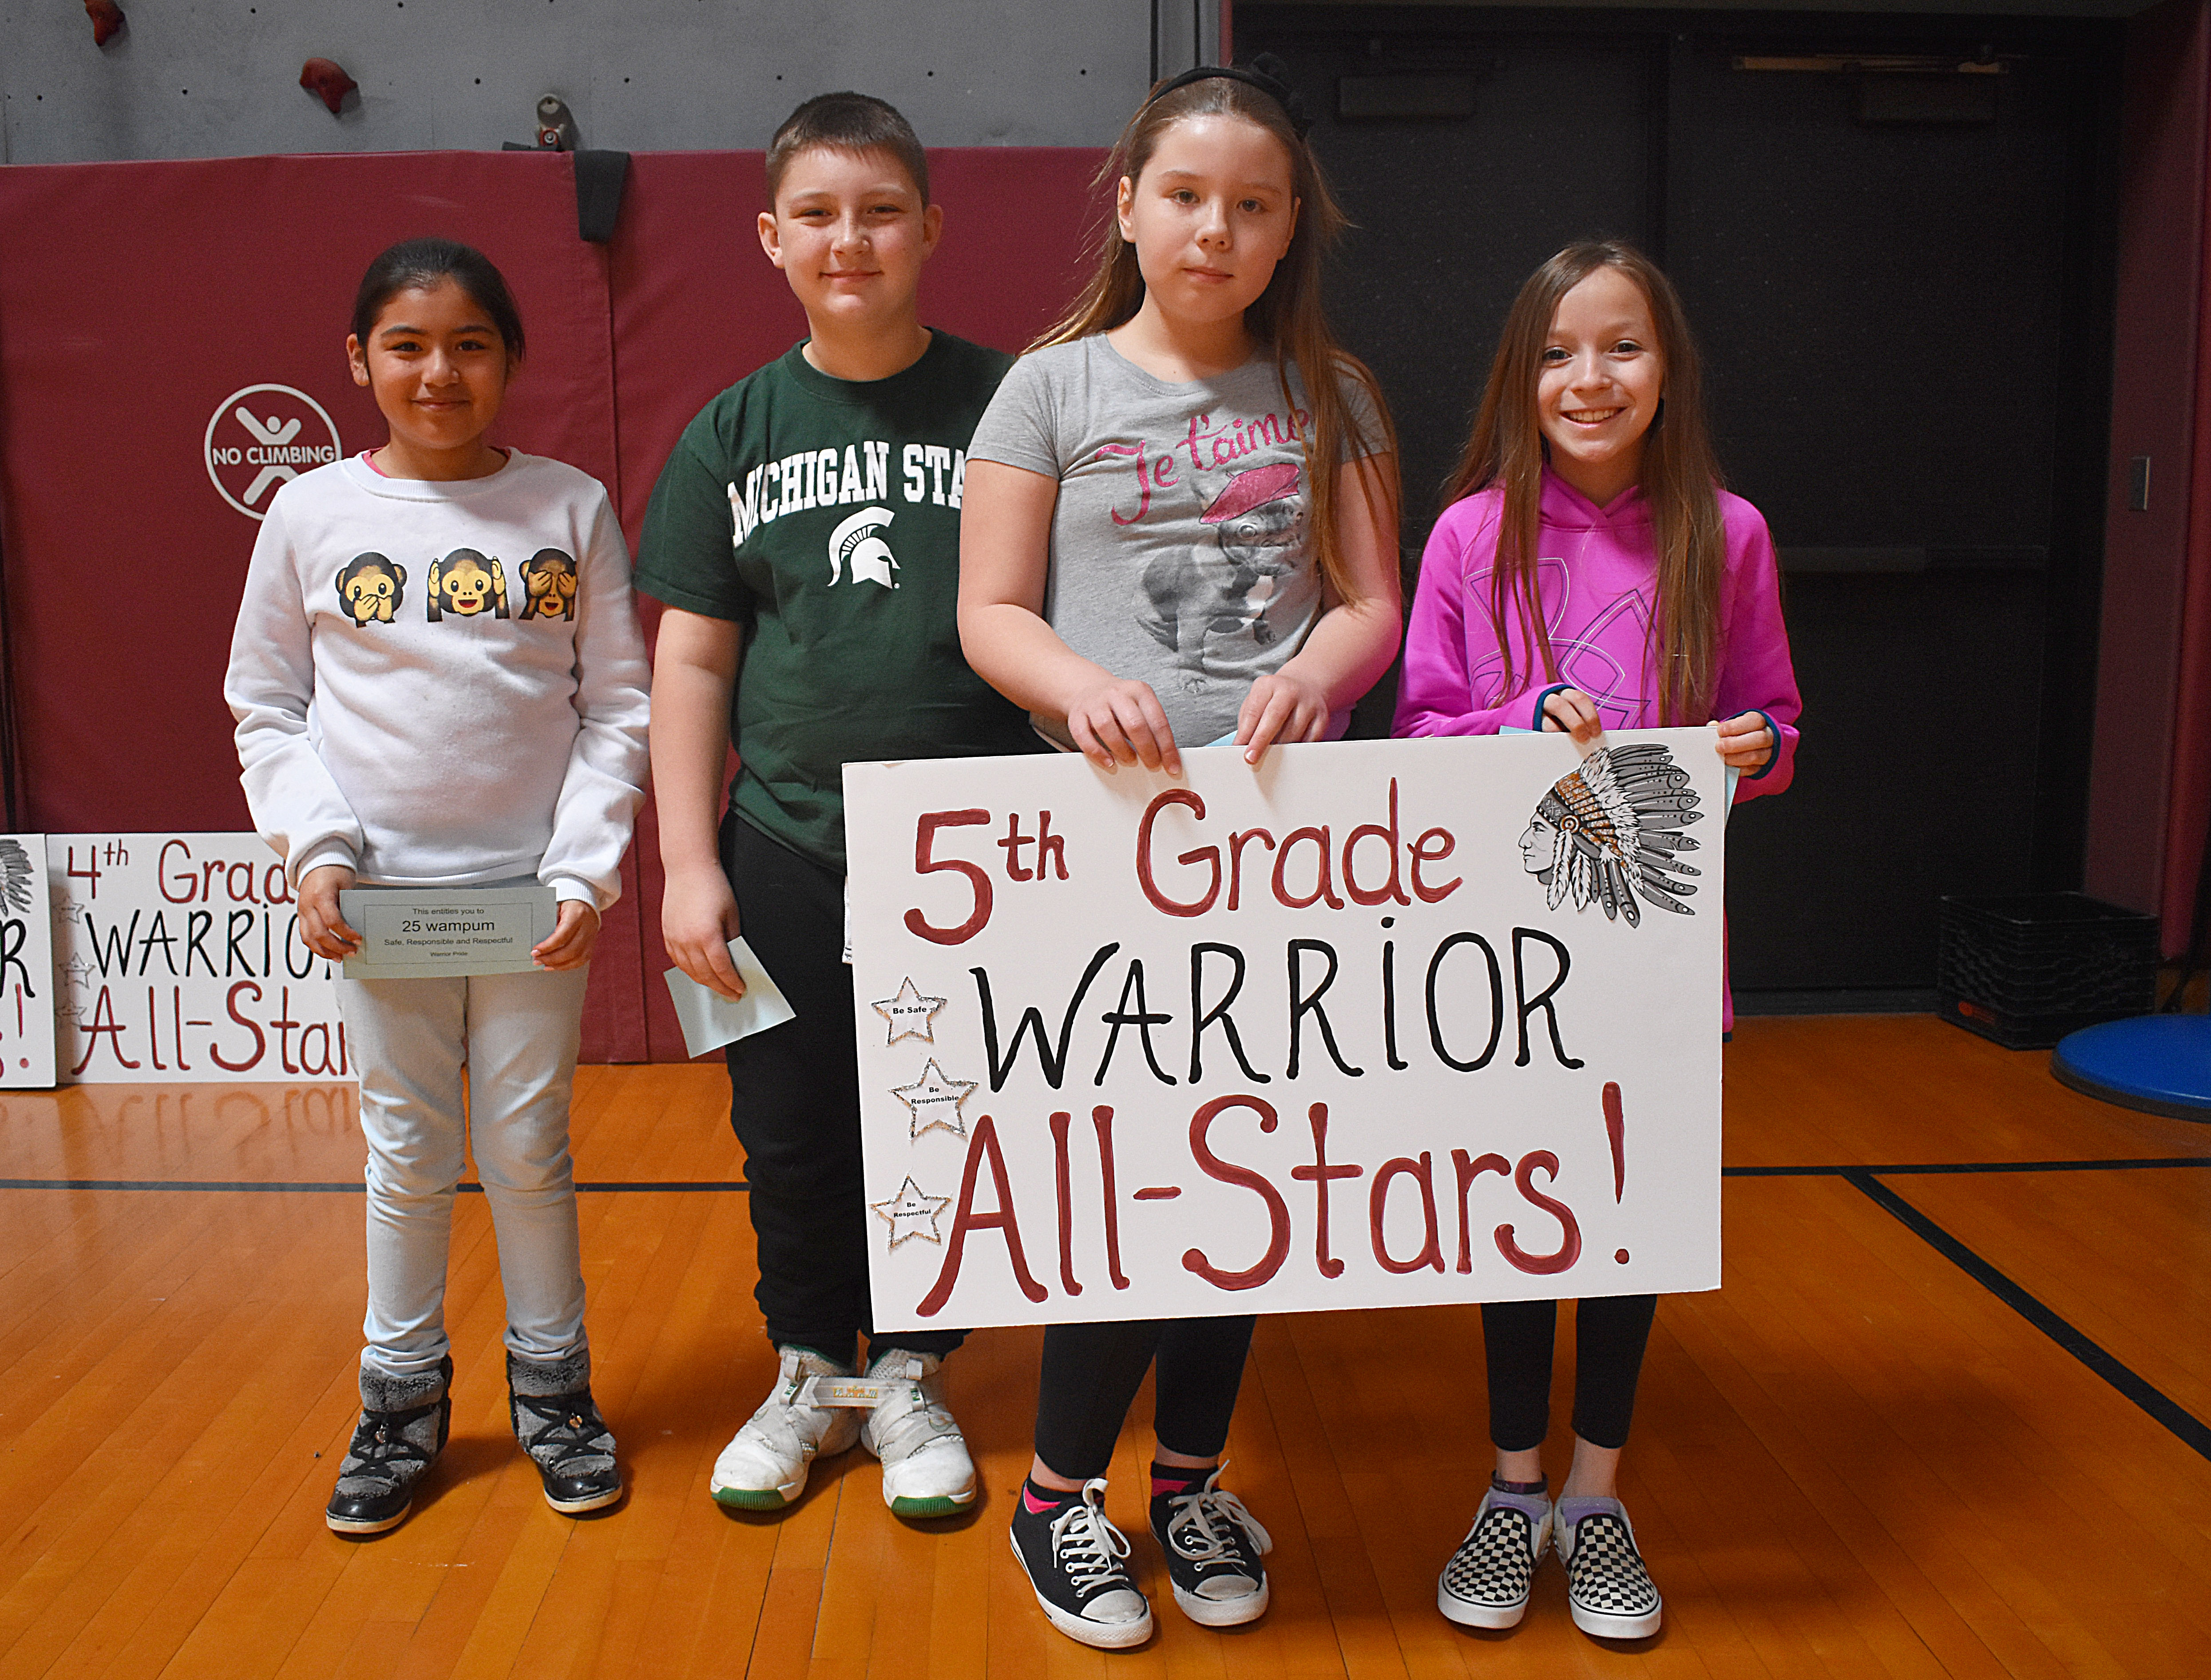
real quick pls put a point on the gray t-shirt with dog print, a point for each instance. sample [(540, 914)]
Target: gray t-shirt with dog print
[(1181, 542)]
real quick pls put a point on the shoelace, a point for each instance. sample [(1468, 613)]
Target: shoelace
[(380, 1437), (1210, 1511), (1088, 1547), (569, 1428)]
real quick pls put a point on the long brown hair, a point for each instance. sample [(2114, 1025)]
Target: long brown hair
[(1679, 477), (1286, 317)]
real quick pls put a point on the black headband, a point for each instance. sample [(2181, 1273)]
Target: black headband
[(1264, 73)]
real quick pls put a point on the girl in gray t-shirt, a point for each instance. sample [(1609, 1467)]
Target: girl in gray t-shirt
[(1181, 552), (1172, 535)]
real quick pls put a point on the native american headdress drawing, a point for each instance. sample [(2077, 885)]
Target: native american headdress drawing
[(1609, 832), (15, 875)]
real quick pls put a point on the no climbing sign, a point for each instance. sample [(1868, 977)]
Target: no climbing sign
[(1381, 1024)]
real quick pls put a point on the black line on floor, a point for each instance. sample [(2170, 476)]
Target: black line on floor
[(353, 1187), (711, 1186), (2184, 1423), (1924, 1169)]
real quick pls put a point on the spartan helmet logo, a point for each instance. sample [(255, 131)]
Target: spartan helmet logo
[(1609, 832), (855, 540)]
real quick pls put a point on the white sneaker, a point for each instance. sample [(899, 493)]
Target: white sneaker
[(926, 1469), (764, 1466)]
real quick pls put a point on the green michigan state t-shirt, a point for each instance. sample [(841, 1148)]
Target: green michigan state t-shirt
[(823, 515)]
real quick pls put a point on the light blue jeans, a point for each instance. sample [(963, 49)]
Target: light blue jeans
[(513, 1039)]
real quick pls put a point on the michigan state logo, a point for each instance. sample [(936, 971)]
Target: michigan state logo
[(857, 543)]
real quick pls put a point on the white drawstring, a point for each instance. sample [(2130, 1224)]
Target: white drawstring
[(1084, 1538), (1200, 1509)]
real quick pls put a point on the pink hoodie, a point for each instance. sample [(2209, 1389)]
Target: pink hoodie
[(1597, 573)]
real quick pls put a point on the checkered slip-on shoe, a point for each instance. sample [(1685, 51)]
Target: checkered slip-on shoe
[(1607, 1588), (1487, 1581)]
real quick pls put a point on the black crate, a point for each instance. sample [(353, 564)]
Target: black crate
[(2028, 969)]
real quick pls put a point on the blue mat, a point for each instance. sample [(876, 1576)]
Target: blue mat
[(2161, 1063)]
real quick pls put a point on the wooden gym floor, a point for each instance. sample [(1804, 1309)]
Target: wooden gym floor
[(1948, 1416)]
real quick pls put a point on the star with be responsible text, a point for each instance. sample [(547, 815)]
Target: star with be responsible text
[(911, 1213), (934, 1100), (911, 1014)]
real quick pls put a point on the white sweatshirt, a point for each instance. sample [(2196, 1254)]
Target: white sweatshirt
[(420, 698)]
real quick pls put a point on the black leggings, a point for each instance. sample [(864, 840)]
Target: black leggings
[(1090, 1372), (1609, 1334)]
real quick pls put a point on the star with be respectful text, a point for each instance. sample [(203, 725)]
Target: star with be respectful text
[(934, 1100), (911, 1014), (911, 1213)]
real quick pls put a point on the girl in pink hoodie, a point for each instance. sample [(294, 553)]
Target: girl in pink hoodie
[(1589, 574)]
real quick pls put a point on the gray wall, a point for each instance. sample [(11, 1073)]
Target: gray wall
[(220, 78)]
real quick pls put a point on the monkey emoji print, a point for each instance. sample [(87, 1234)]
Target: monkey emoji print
[(466, 585), (548, 578), (371, 588)]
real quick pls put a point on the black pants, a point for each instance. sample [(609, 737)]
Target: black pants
[(1090, 1372), (1609, 1334), (795, 1104)]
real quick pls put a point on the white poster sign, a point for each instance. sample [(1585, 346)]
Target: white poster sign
[(27, 965), (1380, 1024), (178, 958)]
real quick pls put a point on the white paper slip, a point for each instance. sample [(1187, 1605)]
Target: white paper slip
[(711, 1021), (426, 933)]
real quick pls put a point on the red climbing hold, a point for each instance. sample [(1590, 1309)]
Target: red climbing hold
[(107, 20), (326, 77)]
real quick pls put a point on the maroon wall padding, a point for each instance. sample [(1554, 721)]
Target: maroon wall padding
[(135, 297), (697, 306), (2190, 810), (2143, 839)]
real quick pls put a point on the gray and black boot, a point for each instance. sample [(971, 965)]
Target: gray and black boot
[(402, 1431), (562, 1432)]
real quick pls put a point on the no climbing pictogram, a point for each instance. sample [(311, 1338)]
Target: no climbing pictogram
[(262, 437)]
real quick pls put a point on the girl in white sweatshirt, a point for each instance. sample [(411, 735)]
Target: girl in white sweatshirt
[(439, 680)]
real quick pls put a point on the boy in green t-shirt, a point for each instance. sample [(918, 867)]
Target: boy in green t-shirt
[(805, 536)]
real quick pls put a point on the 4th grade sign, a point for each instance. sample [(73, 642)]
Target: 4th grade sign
[(1377, 1024), (179, 957)]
